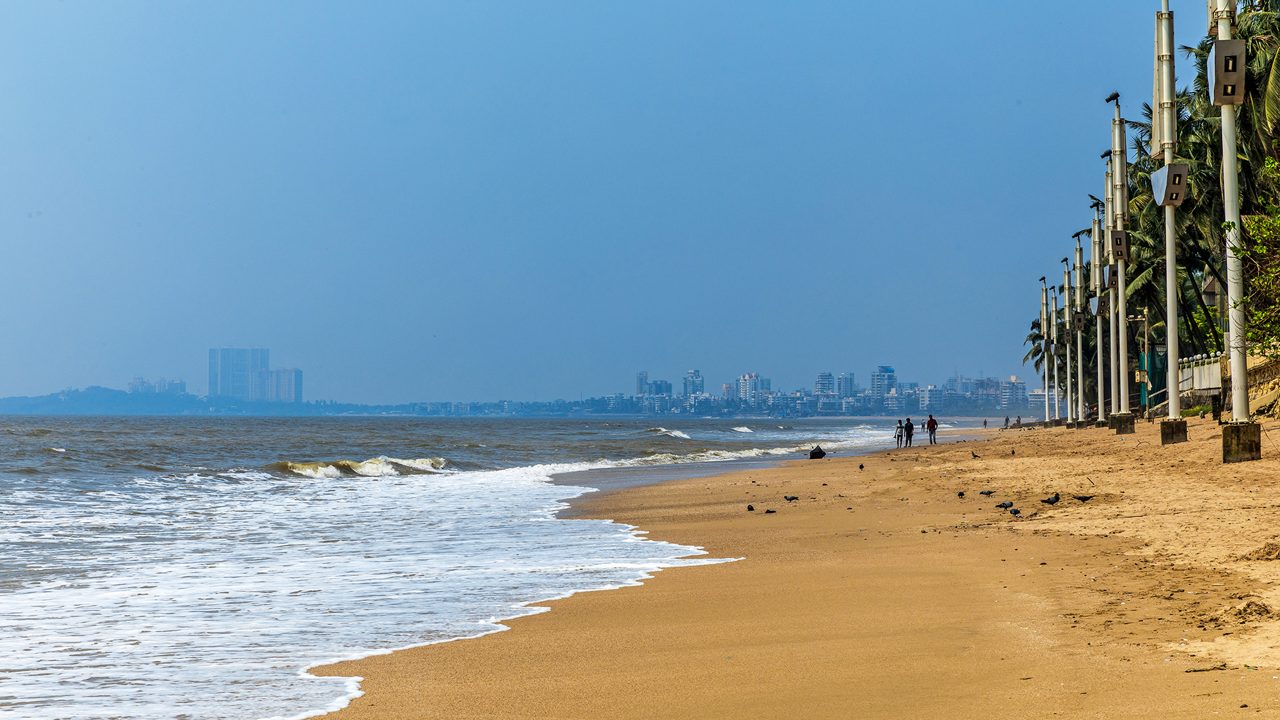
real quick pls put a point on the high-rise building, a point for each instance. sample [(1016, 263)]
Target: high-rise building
[(749, 388), (693, 384), (883, 380), (660, 387), (284, 385), (1013, 393), (825, 384), (238, 373), (845, 385), (642, 383)]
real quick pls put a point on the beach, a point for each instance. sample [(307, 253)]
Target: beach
[(882, 593)]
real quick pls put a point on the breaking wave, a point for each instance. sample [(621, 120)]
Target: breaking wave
[(743, 428), (373, 467), (668, 433)]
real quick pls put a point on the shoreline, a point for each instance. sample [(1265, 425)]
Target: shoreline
[(912, 602)]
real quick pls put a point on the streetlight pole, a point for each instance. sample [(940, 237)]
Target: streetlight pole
[(1081, 413), (1120, 195), (1095, 281), (1044, 343), (1066, 330), (1111, 289), (1057, 385), (1165, 118), (1242, 439)]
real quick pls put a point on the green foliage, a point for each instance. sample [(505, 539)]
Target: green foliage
[(1259, 255)]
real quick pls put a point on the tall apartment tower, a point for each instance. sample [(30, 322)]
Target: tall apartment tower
[(284, 385), (693, 384), (845, 386), (825, 384), (239, 373), (642, 383), (883, 380)]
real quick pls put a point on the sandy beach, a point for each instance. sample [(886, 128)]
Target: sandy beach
[(881, 593)]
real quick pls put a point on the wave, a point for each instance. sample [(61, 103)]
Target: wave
[(381, 466), (743, 428), (668, 433)]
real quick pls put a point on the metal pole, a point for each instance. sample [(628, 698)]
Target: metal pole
[(1044, 344), (1111, 308), (1081, 412), (1169, 112), (1057, 410), (1095, 279), (1066, 331), (1119, 179), (1235, 271)]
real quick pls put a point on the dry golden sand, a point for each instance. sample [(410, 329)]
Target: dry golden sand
[(881, 594)]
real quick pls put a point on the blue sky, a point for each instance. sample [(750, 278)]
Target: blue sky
[(484, 200)]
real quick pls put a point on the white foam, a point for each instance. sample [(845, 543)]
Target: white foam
[(203, 595)]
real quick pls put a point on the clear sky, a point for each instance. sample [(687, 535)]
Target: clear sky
[(530, 200)]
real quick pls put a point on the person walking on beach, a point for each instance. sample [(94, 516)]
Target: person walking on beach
[(1006, 422), (932, 427), (898, 434), (907, 431)]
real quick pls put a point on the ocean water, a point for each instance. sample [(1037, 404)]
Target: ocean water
[(193, 568)]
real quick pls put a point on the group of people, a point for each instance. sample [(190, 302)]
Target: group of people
[(904, 432)]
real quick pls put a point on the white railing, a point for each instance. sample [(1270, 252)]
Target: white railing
[(1200, 373)]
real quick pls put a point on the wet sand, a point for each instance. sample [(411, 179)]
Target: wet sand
[(880, 593)]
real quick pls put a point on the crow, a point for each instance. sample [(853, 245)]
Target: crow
[(860, 466), (1005, 505), (1083, 498), (975, 455), (988, 493), (1013, 451), (751, 508), (960, 494), (770, 512), (791, 498), (1052, 499), (1015, 512)]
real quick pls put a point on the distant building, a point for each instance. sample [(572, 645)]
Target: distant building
[(163, 386), (928, 397), (642, 383), (825, 384), (883, 381), (749, 388), (284, 385), (845, 385), (693, 384), (660, 387), (1013, 394), (238, 373)]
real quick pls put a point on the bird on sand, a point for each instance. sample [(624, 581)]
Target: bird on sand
[(1083, 498), (975, 455), (1015, 512), (1052, 499), (988, 493), (859, 466), (960, 494), (1013, 451), (791, 498), (1005, 505)]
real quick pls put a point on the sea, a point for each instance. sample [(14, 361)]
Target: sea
[(196, 567)]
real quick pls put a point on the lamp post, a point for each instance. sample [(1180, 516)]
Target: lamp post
[(1169, 188), (1057, 385), (1241, 439), (1044, 343), (1067, 309), (1120, 250), (1108, 233), (1077, 320), (1095, 282)]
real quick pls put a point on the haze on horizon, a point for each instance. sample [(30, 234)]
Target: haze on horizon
[(443, 201)]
